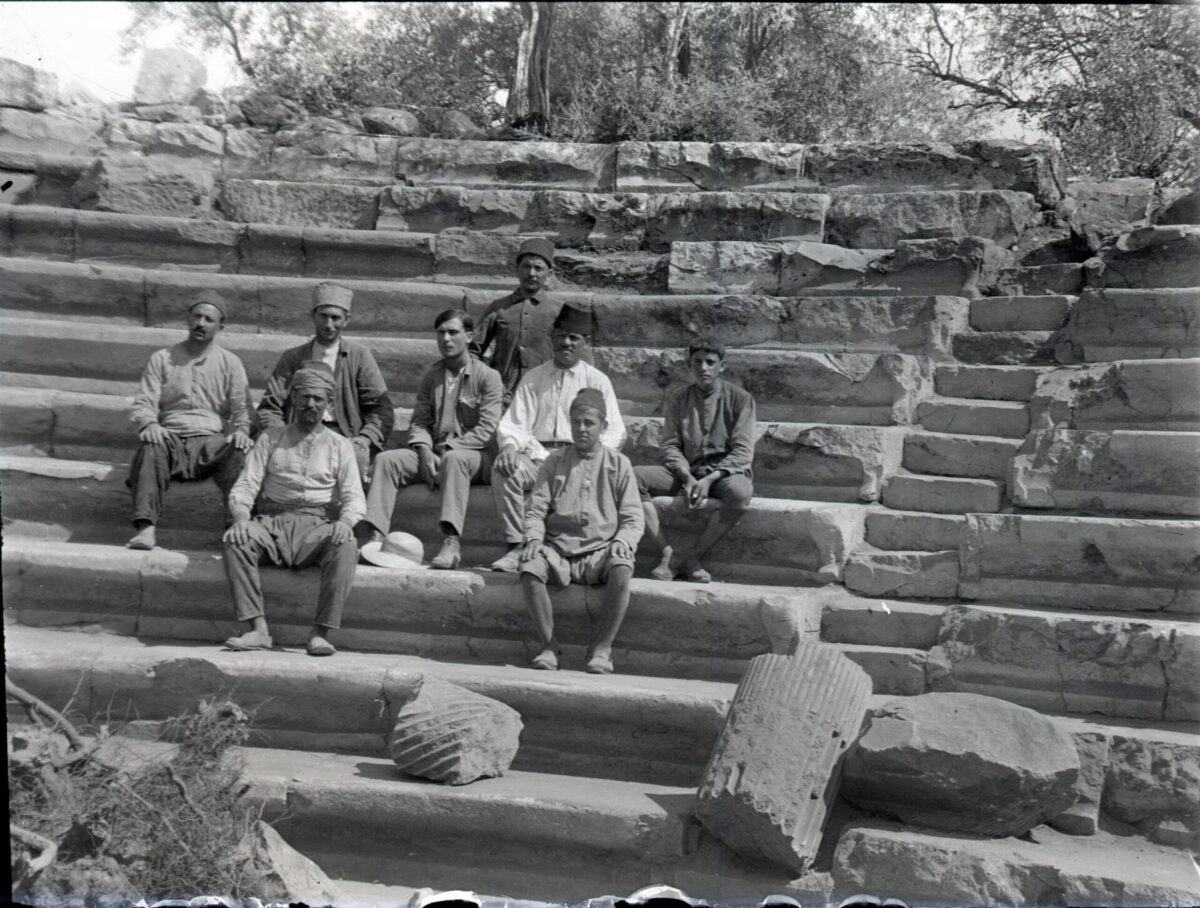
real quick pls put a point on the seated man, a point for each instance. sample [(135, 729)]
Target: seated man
[(186, 395), (516, 328), (539, 422), (707, 449), (360, 409), (450, 442), (582, 525), (304, 479)]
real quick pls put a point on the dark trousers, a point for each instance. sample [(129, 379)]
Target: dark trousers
[(293, 540), (734, 492), (180, 459)]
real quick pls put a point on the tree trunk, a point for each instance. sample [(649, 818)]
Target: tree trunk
[(676, 31), (529, 97)]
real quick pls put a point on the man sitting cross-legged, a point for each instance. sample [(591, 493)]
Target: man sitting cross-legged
[(449, 444), (538, 422), (187, 393), (305, 481), (707, 449), (582, 525)]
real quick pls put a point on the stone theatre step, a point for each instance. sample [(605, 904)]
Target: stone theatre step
[(942, 495), (620, 726), (974, 456), (1006, 348), (984, 382), (966, 416), (1125, 324), (1020, 313)]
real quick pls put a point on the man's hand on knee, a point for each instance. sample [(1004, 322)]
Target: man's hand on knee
[(154, 434), (532, 549), (339, 533), (506, 463), (238, 534), (240, 440), (428, 465), (620, 549)]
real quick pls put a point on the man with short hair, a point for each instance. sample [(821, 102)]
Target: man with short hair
[(582, 525), (187, 394), (707, 450), (516, 328), (360, 409), (538, 422), (303, 479), (450, 442)]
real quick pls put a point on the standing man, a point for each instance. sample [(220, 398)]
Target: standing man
[(187, 394), (538, 422), (582, 526), (304, 479), (360, 409), (450, 442), (707, 449), (516, 327)]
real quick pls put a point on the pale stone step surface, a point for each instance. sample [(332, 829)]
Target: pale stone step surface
[(1158, 394), (512, 165), (942, 495), (904, 575), (913, 530), (1005, 348), (985, 382), (618, 726), (966, 416), (872, 621), (977, 456), (1116, 323), (880, 220), (1020, 313)]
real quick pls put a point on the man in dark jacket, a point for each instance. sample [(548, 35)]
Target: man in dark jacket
[(361, 409)]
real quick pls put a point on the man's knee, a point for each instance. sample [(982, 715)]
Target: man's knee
[(735, 500), (388, 466), (458, 462)]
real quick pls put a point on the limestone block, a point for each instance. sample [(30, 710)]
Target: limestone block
[(827, 463), (156, 186), (962, 266), (26, 87), (1137, 471), (447, 733), (1006, 348), (589, 219), (1020, 313), (628, 272), (1057, 661), (1054, 870), (1082, 817), (963, 763), (922, 325), (129, 134), (187, 140), (58, 132), (209, 103), (942, 495), (58, 289), (45, 233), (1184, 210), (905, 575), (437, 208), (168, 75), (299, 204), (1060, 278), (271, 111), (673, 321), (712, 167), (244, 149), (1106, 563), (775, 769), (1108, 208), (1111, 324), (883, 167), (878, 221), (460, 255), (378, 254), (987, 382), (976, 456), (750, 216), (1151, 257), (282, 873), (454, 124), (1149, 782), (998, 418), (511, 165), (902, 530), (724, 267), (268, 249), (169, 113), (331, 157), (386, 121), (1159, 394), (807, 267), (1007, 164)]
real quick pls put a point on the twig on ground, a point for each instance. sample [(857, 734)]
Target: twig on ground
[(183, 793), (48, 851), (29, 701)]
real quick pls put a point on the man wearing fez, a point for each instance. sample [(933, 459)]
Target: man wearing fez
[(707, 450), (303, 479), (538, 422), (582, 525), (516, 327), (187, 396), (360, 408), (450, 442)]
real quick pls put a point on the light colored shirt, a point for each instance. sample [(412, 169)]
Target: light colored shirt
[(702, 433), (192, 395), (293, 471), (328, 356), (581, 503), (541, 409)]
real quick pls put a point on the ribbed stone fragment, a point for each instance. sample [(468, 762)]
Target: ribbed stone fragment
[(450, 734), (775, 769)]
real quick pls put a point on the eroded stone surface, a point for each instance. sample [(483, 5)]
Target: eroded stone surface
[(299, 204), (157, 186), (879, 221), (437, 208), (386, 121), (690, 166), (1159, 394), (284, 873), (963, 763), (1107, 208), (512, 165), (775, 769), (1082, 817), (168, 75), (74, 133), (905, 575), (1167, 256), (1112, 324), (1149, 782), (26, 86)]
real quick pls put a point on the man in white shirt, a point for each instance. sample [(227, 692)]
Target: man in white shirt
[(539, 421)]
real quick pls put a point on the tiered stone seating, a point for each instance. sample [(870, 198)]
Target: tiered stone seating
[(1012, 471)]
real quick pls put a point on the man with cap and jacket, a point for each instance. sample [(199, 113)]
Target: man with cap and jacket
[(303, 481), (539, 421), (360, 409), (192, 415), (516, 328)]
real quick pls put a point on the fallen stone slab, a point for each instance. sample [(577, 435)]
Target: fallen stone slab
[(449, 734), (388, 121), (903, 574), (962, 763), (159, 185), (26, 86), (1063, 662), (776, 766), (284, 873), (511, 165), (1104, 209), (1112, 324), (1149, 257), (720, 166), (928, 869), (880, 220), (1133, 471), (299, 204), (1158, 394), (53, 132), (1120, 564)]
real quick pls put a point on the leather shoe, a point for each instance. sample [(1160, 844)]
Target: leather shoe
[(449, 556)]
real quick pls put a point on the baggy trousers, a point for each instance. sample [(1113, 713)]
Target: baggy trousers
[(457, 471), (182, 459)]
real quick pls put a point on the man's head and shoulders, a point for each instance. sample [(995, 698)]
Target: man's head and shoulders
[(570, 338), (706, 372), (331, 314), (205, 318), (588, 420), (309, 393), (534, 267), (454, 331)]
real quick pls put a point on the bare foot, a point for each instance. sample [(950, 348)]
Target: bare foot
[(250, 640), (664, 571), (319, 646), (143, 540), (601, 662), (547, 660)]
